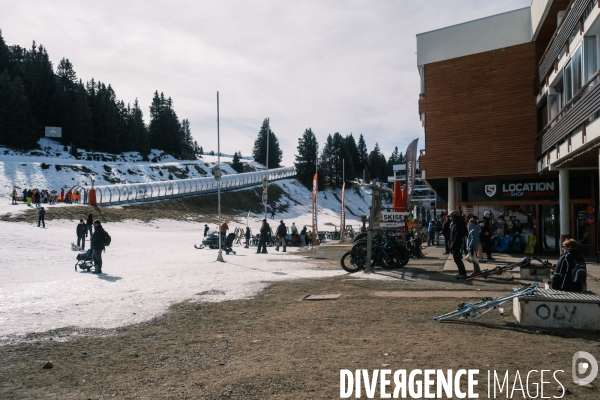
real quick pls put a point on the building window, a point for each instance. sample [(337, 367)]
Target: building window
[(572, 76), (567, 76), (589, 57)]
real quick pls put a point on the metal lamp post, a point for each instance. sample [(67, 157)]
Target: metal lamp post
[(217, 175), (266, 179)]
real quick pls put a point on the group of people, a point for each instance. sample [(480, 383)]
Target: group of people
[(474, 237), (38, 197), (281, 232)]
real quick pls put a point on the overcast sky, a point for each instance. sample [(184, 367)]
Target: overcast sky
[(336, 66)]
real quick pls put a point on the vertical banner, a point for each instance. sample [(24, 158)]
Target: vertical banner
[(314, 204), (343, 216), (411, 167)]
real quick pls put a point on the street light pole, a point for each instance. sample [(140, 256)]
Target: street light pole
[(218, 178), (267, 174)]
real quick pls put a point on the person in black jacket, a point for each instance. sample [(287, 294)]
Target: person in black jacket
[(303, 236), (81, 234), (458, 233), (446, 233), (89, 223), (562, 278), (248, 236), (265, 233), (281, 232), (205, 230), (97, 245), (485, 236)]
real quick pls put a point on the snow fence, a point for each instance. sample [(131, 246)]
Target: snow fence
[(150, 191)]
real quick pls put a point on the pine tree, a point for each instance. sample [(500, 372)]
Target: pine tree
[(354, 160), (4, 55), (259, 151), (236, 164), (374, 162), (306, 157), (81, 119), (17, 127), (363, 155)]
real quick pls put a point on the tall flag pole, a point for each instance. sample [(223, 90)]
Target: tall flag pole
[(411, 167), (343, 219)]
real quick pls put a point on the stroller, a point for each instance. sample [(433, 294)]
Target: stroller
[(85, 261), (229, 243)]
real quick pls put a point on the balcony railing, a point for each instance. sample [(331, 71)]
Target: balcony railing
[(574, 16), (583, 104)]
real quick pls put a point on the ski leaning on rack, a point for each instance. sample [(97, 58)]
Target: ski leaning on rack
[(525, 262), (472, 311)]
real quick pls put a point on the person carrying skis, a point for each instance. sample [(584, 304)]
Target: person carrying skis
[(41, 215), (281, 232), (81, 231), (458, 231)]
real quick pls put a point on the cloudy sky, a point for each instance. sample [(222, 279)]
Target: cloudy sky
[(334, 65)]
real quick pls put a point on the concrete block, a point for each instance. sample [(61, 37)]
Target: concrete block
[(547, 308)]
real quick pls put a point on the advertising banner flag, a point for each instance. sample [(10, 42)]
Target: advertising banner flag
[(411, 167), (343, 216), (314, 204)]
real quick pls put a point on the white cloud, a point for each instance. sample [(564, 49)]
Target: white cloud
[(335, 66)]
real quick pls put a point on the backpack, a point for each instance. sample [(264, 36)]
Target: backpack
[(579, 272), (107, 239), (496, 241)]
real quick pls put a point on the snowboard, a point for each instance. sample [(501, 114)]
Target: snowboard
[(504, 245), (531, 242)]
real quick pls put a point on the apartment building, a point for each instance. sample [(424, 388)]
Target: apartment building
[(510, 105)]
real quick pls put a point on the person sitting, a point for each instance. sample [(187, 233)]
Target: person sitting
[(570, 273)]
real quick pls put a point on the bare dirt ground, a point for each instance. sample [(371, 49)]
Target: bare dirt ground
[(277, 345)]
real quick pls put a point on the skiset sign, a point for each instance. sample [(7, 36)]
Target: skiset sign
[(522, 189)]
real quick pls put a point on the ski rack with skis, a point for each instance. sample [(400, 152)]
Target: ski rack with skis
[(525, 262), (472, 311)]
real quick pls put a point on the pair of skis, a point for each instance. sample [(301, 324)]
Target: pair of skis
[(472, 311), (525, 262)]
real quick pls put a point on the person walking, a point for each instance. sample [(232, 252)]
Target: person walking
[(81, 234), (223, 229), (473, 244), (89, 223), (485, 237), (458, 231), (265, 231), (431, 232), (438, 231), (281, 232), (303, 236), (446, 233), (570, 272), (248, 235), (206, 229), (97, 245), (14, 197), (41, 215)]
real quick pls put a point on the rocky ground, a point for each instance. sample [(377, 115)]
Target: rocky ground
[(278, 345)]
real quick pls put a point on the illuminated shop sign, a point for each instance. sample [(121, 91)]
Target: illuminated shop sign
[(525, 189)]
